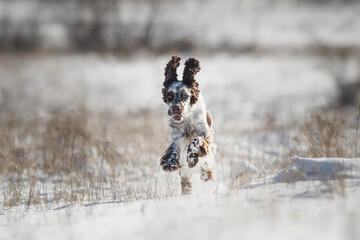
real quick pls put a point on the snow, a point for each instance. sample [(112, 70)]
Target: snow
[(315, 169), (277, 211), (306, 208), (321, 169)]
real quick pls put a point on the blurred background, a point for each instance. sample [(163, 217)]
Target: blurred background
[(78, 32), (159, 26), (51, 37)]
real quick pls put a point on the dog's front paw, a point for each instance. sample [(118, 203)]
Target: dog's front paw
[(193, 152), (169, 167), (171, 164)]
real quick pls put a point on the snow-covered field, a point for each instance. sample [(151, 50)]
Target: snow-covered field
[(314, 209), (279, 211), (81, 134), (260, 105)]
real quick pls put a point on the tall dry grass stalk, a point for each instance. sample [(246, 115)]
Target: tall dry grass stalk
[(327, 135)]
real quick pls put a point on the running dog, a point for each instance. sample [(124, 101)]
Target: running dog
[(191, 134)]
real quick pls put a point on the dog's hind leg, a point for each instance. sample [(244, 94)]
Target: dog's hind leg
[(185, 171), (207, 164), (185, 186), (185, 174)]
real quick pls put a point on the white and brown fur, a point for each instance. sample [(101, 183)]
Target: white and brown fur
[(191, 134)]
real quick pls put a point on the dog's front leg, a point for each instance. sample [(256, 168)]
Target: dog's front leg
[(198, 147), (170, 161)]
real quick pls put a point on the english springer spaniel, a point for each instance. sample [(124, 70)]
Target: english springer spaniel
[(191, 133)]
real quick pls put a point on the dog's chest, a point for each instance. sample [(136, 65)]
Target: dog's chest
[(189, 130), (186, 130)]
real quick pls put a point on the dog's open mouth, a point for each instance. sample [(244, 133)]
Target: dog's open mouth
[(177, 117)]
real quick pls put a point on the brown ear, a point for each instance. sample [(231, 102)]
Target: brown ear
[(192, 66), (170, 74)]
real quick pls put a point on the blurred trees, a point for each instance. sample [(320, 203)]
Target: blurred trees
[(87, 24), (89, 19), (165, 25)]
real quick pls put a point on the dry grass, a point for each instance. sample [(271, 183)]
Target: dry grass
[(250, 154), (83, 157), (331, 134), (78, 156), (324, 133)]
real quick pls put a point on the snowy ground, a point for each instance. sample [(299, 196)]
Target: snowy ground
[(304, 209), (260, 192)]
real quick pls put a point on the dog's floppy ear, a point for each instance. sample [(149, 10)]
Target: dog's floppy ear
[(170, 74), (192, 66)]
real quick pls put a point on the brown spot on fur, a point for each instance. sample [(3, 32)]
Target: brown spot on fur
[(181, 106), (188, 136), (204, 146), (208, 118), (206, 175), (194, 93), (170, 74), (192, 67), (196, 160)]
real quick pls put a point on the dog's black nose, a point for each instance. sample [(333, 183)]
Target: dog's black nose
[(176, 110)]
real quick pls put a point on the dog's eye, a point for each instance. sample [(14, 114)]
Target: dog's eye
[(170, 96), (184, 96)]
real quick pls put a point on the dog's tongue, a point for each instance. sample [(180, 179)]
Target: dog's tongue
[(177, 117)]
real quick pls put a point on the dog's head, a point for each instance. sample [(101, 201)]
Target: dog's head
[(180, 96)]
